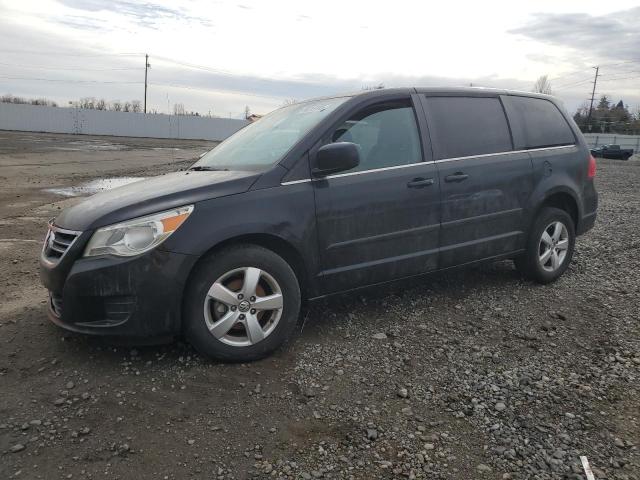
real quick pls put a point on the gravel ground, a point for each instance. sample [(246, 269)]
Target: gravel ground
[(476, 374)]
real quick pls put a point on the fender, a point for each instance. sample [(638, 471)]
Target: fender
[(284, 213), (560, 182)]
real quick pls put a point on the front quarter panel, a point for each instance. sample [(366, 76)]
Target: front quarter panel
[(283, 211)]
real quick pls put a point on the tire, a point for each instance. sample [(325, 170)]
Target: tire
[(561, 246), (224, 325)]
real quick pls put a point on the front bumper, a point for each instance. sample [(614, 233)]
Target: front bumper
[(126, 297)]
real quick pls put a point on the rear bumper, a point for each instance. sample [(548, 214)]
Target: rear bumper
[(126, 297), (589, 204)]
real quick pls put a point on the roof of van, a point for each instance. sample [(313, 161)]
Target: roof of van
[(437, 91), (475, 91)]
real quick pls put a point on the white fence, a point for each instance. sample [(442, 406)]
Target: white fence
[(625, 141), (35, 118)]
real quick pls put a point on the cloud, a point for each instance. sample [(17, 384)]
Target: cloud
[(83, 22), (41, 61), (611, 36), (147, 14)]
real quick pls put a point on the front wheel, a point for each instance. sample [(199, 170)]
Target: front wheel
[(241, 304), (549, 247)]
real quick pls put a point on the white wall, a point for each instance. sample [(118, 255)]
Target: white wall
[(35, 118), (625, 141)]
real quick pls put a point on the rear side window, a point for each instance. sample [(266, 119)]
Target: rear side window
[(537, 123), (467, 126)]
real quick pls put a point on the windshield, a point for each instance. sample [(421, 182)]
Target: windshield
[(266, 141)]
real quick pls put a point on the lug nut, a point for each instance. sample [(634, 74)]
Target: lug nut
[(253, 299), (253, 311), (240, 296), (241, 317), (233, 308)]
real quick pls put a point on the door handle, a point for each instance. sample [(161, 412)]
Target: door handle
[(456, 177), (420, 182)]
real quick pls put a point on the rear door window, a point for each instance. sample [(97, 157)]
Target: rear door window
[(537, 123), (467, 126)]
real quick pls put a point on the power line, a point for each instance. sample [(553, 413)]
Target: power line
[(574, 84), (620, 78), (45, 52), (62, 80), (572, 74), (215, 70), (621, 63), (237, 92), (42, 67)]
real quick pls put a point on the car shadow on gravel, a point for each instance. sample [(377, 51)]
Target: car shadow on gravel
[(321, 318)]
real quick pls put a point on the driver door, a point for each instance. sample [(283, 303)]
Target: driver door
[(379, 221)]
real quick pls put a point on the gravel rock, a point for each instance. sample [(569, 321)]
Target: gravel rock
[(503, 378), (18, 447)]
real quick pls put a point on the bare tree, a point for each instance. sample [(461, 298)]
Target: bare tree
[(543, 85), (135, 106), (101, 104), (379, 86), (116, 106), (126, 107), (247, 112), (34, 101), (88, 103), (288, 101), (178, 109)]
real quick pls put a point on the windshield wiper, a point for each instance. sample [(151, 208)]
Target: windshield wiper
[(204, 168)]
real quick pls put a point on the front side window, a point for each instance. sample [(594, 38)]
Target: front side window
[(387, 136), (265, 142), (467, 126)]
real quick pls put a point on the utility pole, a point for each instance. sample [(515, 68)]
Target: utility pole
[(593, 94), (146, 67)]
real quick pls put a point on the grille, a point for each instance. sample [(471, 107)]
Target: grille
[(56, 303), (58, 242)]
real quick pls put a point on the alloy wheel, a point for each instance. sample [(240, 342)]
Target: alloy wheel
[(243, 306), (553, 246)]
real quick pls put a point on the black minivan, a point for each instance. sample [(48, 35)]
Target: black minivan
[(321, 197)]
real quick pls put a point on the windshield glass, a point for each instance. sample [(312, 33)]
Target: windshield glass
[(265, 142)]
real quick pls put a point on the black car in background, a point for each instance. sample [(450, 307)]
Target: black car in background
[(322, 197), (612, 151)]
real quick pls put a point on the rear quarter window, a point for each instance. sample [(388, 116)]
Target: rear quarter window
[(467, 126), (537, 123)]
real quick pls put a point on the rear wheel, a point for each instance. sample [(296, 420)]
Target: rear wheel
[(550, 246), (241, 304)]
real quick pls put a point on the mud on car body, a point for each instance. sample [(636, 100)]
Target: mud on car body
[(318, 198)]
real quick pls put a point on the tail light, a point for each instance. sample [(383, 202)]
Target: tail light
[(591, 173)]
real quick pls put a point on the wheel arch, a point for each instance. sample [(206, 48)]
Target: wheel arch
[(563, 201), (276, 244), (562, 198)]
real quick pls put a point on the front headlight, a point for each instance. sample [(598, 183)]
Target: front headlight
[(137, 235)]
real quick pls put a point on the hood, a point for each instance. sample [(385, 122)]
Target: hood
[(153, 195)]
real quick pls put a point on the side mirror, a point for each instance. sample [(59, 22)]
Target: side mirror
[(336, 157)]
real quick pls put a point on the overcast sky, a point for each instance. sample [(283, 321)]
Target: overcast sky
[(218, 56)]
